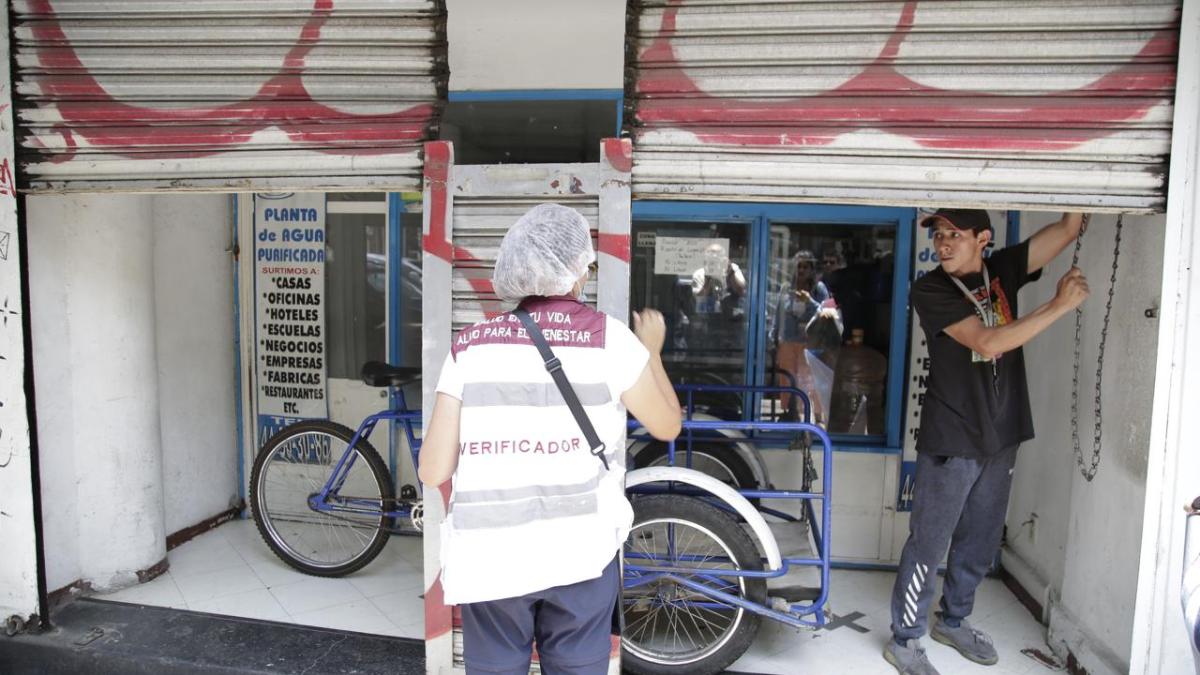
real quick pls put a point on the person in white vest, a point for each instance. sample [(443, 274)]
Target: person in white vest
[(537, 521)]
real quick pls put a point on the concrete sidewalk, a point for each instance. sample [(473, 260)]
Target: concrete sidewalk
[(101, 637)]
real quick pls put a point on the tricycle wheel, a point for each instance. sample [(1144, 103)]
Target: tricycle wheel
[(671, 628)]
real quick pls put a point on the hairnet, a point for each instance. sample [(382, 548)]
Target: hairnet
[(544, 253)]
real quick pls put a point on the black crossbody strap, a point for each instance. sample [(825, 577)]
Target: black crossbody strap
[(554, 367)]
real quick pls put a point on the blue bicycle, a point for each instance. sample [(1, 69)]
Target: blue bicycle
[(322, 497)]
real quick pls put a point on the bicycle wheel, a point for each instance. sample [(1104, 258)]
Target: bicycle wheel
[(670, 628), (720, 462), (294, 465)]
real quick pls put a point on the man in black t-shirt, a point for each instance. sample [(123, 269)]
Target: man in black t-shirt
[(975, 414)]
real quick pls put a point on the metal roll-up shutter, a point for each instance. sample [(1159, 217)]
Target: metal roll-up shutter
[(479, 225), (134, 95), (1004, 103)]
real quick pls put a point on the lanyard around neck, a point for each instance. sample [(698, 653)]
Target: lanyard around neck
[(986, 312)]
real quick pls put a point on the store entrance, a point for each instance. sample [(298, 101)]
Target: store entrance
[(790, 297), (357, 265)]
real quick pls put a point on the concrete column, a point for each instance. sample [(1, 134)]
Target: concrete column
[(18, 554), (97, 386), (1160, 641)]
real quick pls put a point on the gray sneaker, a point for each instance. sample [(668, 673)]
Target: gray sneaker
[(972, 643), (908, 659)]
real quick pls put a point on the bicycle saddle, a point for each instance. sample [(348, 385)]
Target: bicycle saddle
[(380, 374)]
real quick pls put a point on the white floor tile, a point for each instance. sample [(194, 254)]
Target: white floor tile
[(209, 585), (313, 593), (159, 592), (275, 573), (410, 548), (240, 531), (359, 616), (387, 576), (253, 550), (403, 608), (206, 553), (412, 631), (256, 604), (781, 650)]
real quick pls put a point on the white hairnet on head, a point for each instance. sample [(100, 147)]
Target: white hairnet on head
[(544, 253)]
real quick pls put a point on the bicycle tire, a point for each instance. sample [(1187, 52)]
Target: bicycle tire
[(291, 528), (719, 461), (661, 517)]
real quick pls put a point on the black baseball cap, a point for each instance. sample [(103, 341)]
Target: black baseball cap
[(976, 220)]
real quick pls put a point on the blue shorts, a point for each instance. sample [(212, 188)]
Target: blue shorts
[(573, 625)]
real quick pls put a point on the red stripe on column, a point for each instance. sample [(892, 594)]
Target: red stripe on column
[(437, 614), (616, 245), (619, 153), (437, 172)]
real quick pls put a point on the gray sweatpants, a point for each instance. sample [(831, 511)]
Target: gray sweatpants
[(960, 503)]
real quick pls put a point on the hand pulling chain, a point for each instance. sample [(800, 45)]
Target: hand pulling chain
[(1089, 470)]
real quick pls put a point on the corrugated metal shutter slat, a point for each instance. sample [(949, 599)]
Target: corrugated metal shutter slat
[(930, 102), (220, 94), (479, 225)]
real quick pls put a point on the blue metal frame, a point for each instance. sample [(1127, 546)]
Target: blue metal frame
[(897, 356), (395, 256), (637, 575), (760, 216), (1013, 234), (237, 361), (328, 500)]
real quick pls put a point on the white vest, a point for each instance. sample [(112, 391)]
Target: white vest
[(532, 508)]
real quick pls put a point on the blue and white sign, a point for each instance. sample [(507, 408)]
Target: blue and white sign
[(289, 299)]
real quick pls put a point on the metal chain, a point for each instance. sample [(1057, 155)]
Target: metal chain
[(1089, 471)]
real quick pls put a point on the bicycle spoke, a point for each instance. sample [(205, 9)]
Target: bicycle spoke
[(339, 531), (672, 624)]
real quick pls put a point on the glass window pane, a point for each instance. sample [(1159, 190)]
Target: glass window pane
[(518, 132), (829, 296), (410, 286), (356, 291), (697, 275), (356, 196)]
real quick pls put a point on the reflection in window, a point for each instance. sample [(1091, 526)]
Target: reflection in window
[(829, 303), (698, 276), (410, 286), (355, 291)]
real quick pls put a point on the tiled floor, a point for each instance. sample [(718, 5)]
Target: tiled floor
[(847, 651), (230, 571)]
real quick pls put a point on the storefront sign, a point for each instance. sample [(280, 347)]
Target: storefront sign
[(289, 259), (686, 255), (925, 259)]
